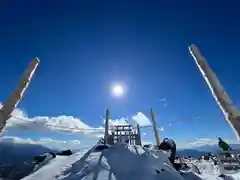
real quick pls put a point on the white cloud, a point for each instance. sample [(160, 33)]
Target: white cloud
[(60, 123), (163, 99), (201, 142), (164, 102), (52, 143), (161, 129), (141, 119), (144, 134)]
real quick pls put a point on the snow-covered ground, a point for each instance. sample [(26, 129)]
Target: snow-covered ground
[(122, 162), (209, 171)]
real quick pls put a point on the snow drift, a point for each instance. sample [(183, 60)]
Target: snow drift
[(119, 162)]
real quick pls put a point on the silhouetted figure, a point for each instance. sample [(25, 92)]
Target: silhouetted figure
[(169, 145), (223, 145)]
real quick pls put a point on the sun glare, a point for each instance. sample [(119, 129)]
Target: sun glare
[(117, 90)]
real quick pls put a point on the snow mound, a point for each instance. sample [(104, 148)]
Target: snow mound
[(119, 162), (55, 167), (208, 167)]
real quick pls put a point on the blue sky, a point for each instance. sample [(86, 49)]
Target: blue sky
[(84, 46)]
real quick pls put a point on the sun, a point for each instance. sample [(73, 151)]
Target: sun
[(117, 90)]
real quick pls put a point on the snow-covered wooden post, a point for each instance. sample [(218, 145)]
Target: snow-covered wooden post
[(155, 129), (106, 127), (230, 111), (12, 101), (138, 136)]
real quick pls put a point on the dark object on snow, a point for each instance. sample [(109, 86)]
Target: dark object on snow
[(210, 154), (206, 158), (223, 176), (169, 145), (54, 155), (41, 158), (127, 141), (158, 172), (177, 166), (223, 145), (147, 145), (101, 147), (227, 155), (65, 153)]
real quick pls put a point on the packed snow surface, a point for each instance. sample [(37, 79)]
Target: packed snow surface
[(122, 162)]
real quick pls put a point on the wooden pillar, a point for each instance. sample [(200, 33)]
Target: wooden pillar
[(112, 134), (155, 129), (230, 111), (12, 101), (106, 127), (138, 134), (120, 134), (130, 137), (129, 134), (117, 132)]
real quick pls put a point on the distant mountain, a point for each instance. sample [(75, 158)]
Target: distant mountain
[(235, 146), (209, 148), (214, 148), (191, 152), (16, 159), (203, 150), (20, 151)]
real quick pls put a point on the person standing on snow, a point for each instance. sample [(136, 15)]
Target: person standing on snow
[(223, 145)]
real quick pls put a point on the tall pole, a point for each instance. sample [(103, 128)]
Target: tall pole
[(106, 127), (12, 101), (231, 113), (155, 129)]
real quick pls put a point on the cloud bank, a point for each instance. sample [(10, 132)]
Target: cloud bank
[(48, 142), (204, 142), (70, 124)]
